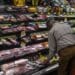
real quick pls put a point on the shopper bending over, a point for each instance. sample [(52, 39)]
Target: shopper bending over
[(61, 40)]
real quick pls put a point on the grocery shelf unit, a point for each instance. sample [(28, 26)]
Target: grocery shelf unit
[(18, 34), (26, 38)]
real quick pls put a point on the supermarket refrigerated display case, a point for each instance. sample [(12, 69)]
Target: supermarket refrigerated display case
[(24, 41)]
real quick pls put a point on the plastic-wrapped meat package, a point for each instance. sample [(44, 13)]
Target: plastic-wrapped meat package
[(19, 70), (21, 62), (32, 49), (42, 17), (1, 17), (20, 52), (5, 42), (22, 17), (7, 66), (6, 18), (10, 72), (45, 45), (4, 27), (8, 54), (7, 31), (19, 28), (22, 70), (45, 35), (14, 29), (38, 46), (24, 51), (38, 35), (15, 71), (13, 19), (26, 39), (13, 41), (1, 43), (30, 28), (1, 73), (1, 55), (29, 67), (21, 67), (4, 55), (16, 51), (26, 48)]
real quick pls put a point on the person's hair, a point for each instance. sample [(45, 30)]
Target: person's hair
[(50, 21)]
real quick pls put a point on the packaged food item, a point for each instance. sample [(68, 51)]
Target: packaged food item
[(9, 72), (13, 41), (7, 66), (21, 62), (26, 39), (1, 17), (4, 27), (45, 45), (30, 28), (7, 31), (4, 55), (1, 43), (13, 19), (38, 47), (1, 73), (33, 37), (5, 42)]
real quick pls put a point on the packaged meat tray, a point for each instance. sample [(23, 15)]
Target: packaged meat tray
[(4, 55), (7, 66), (19, 67), (21, 62)]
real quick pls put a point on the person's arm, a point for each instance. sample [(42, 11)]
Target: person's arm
[(52, 44)]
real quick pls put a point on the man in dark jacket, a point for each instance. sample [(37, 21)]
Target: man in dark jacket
[(61, 40)]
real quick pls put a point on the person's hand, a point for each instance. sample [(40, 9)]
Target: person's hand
[(54, 59)]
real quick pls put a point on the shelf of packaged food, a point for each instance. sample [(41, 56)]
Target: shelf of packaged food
[(48, 69), (24, 21), (29, 18), (37, 71), (11, 55), (9, 33), (36, 41), (24, 64)]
